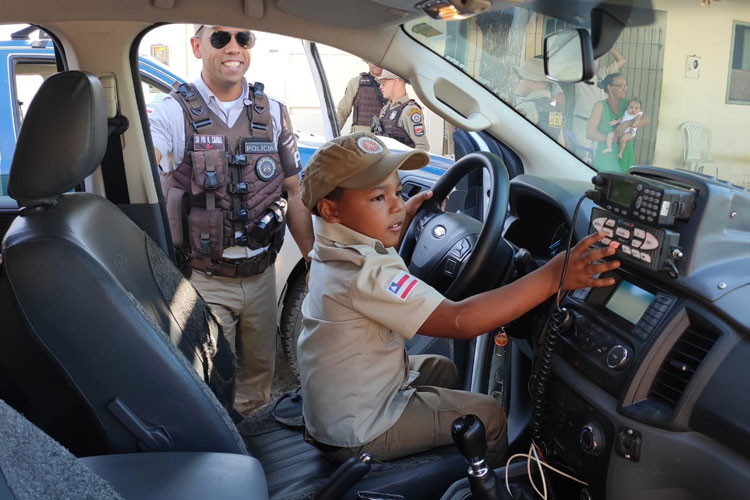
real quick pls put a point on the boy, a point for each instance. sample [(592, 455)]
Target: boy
[(363, 392), (627, 126)]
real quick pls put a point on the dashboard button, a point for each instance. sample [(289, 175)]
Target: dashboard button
[(645, 257), (610, 223), (622, 233), (608, 232), (636, 243), (650, 242), (618, 357), (592, 439), (626, 249), (639, 233), (599, 222), (606, 241), (635, 253)]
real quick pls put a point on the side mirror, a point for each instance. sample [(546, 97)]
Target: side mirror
[(568, 56)]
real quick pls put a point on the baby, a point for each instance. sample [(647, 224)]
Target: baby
[(627, 126)]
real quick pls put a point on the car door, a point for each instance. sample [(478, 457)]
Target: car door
[(29, 58)]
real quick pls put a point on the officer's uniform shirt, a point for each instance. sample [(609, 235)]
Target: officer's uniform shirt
[(167, 121), (527, 107), (353, 362), (344, 107), (411, 120)]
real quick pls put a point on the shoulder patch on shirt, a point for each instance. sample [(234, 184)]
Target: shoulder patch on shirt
[(415, 115), (419, 130), (402, 285)]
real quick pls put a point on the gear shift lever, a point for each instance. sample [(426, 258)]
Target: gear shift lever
[(469, 435)]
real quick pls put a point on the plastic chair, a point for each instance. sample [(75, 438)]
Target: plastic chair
[(696, 146)]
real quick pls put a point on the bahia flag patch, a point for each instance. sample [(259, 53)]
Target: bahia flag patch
[(402, 285)]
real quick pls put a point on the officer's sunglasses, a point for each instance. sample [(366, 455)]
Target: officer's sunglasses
[(220, 39)]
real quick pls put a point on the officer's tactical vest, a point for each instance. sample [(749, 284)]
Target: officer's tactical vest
[(230, 175), (392, 129), (368, 102), (550, 117)]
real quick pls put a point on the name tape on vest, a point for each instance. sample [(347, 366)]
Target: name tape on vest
[(207, 142)]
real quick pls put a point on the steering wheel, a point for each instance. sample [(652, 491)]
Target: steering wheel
[(455, 253)]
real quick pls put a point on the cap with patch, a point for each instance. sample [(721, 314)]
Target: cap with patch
[(354, 161)]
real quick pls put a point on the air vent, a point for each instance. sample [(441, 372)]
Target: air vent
[(680, 365)]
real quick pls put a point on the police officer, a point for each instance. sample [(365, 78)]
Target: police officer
[(533, 98), (401, 118), (229, 173), (362, 96)]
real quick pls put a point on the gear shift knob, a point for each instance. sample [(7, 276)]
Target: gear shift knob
[(471, 439), (469, 435)]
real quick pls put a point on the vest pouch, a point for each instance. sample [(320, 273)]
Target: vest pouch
[(206, 233), (210, 171), (177, 210)]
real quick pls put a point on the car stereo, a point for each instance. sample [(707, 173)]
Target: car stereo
[(612, 326)]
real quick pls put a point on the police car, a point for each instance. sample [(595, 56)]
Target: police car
[(638, 390)]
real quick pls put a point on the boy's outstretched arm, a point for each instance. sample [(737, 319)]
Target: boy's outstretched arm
[(483, 312)]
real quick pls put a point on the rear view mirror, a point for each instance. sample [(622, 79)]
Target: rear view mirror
[(568, 56)]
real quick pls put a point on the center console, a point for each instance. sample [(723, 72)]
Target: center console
[(619, 370)]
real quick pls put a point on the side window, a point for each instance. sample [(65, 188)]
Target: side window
[(738, 88), (344, 73), (27, 58)]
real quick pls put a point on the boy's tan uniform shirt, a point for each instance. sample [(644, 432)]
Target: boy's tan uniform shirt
[(362, 307)]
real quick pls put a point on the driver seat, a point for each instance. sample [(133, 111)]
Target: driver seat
[(105, 346)]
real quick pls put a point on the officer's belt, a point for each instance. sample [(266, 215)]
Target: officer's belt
[(235, 268)]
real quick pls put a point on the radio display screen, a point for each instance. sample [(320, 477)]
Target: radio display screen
[(629, 301), (621, 192)]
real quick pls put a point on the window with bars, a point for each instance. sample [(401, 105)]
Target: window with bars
[(738, 85)]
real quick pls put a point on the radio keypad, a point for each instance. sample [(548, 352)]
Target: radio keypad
[(640, 243)]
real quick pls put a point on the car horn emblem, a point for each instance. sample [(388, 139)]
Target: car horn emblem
[(439, 232)]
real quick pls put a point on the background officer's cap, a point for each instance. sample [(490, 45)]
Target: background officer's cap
[(387, 75), (532, 69), (355, 161)]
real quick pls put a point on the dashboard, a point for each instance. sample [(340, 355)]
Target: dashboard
[(648, 396)]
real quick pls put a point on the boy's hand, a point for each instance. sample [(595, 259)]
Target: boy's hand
[(412, 205), (582, 266)]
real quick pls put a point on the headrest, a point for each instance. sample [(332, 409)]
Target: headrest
[(62, 141)]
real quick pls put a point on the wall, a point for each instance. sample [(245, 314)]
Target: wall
[(705, 32)]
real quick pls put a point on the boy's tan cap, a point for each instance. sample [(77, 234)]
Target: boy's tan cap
[(355, 161)]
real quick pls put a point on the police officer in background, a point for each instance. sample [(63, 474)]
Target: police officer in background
[(401, 118), (362, 96), (533, 98), (229, 173)]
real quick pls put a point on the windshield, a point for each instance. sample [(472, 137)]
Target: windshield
[(674, 94)]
